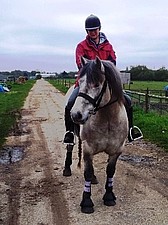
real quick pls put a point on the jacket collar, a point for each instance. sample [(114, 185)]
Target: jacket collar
[(102, 39)]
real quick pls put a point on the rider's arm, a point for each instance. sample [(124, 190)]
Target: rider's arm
[(112, 55), (79, 54)]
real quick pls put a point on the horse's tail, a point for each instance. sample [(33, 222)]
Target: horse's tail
[(79, 151)]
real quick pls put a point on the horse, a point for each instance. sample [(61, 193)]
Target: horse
[(99, 110)]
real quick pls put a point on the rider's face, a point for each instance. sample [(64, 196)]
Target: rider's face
[(93, 34)]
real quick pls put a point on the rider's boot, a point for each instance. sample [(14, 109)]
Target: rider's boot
[(69, 135), (134, 132)]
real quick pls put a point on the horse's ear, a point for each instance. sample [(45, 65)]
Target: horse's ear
[(99, 64), (83, 60)]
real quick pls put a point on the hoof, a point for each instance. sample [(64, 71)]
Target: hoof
[(94, 180), (110, 203), (87, 204), (109, 199), (87, 210), (67, 172)]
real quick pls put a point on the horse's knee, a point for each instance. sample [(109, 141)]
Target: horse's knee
[(68, 161), (88, 170), (110, 170)]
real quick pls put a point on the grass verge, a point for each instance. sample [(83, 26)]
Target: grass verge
[(10, 105), (153, 125)]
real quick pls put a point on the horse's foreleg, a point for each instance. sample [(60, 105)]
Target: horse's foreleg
[(86, 203), (68, 161), (109, 197)]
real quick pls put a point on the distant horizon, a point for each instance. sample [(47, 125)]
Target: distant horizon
[(50, 72)]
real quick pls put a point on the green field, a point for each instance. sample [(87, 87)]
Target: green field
[(143, 85)]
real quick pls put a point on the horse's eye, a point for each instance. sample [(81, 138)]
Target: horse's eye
[(96, 85)]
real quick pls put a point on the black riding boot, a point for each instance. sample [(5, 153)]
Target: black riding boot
[(69, 135), (134, 132), (130, 121)]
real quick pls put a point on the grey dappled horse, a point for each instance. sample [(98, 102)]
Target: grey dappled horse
[(99, 109)]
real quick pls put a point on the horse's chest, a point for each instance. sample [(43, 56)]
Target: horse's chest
[(99, 135)]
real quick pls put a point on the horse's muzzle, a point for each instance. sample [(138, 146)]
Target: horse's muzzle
[(78, 118)]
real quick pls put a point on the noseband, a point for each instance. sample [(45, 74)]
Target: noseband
[(97, 100)]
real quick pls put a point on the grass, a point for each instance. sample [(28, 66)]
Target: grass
[(152, 124), (59, 85), (10, 105), (143, 85)]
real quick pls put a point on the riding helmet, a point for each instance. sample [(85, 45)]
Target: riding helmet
[(92, 22)]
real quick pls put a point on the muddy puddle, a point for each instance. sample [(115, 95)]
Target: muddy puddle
[(136, 159), (10, 155)]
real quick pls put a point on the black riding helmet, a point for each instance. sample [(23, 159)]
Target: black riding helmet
[(92, 22)]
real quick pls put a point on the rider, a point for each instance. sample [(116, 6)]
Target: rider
[(95, 44)]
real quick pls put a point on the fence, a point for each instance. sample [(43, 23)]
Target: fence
[(149, 101), (65, 82)]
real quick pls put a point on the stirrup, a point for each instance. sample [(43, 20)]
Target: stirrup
[(69, 138), (137, 135)]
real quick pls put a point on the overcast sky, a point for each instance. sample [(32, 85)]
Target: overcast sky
[(43, 34)]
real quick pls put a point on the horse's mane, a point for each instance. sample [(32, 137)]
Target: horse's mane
[(92, 72), (94, 75)]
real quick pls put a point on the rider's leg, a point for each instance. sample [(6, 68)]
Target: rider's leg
[(134, 131), (69, 125)]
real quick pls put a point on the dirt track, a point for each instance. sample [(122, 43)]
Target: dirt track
[(34, 192)]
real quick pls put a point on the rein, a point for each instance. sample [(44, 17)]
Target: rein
[(96, 101)]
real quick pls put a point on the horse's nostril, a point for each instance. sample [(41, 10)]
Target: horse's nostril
[(79, 115), (76, 116)]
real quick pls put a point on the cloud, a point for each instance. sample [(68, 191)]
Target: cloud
[(49, 29)]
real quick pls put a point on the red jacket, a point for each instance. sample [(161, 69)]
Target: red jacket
[(90, 50)]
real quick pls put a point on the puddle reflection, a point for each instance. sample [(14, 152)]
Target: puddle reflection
[(11, 154)]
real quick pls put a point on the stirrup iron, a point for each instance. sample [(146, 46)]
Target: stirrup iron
[(138, 133)]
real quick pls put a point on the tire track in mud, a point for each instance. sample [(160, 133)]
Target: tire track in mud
[(13, 181), (50, 186)]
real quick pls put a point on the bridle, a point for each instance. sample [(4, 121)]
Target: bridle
[(97, 100)]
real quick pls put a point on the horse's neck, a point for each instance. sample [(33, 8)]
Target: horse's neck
[(106, 97), (108, 113)]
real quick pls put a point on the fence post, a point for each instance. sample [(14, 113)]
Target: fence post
[(161, 105), (147, 101), (139, 99)]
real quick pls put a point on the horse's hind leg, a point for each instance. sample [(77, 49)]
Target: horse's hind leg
[(94, 179), (109, 197), (86, 203), (68, 161)]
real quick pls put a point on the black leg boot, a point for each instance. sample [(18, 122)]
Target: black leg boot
[(69, 135), (130, 121), (134, 132)]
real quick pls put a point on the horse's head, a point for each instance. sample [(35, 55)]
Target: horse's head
[(99, 85)]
